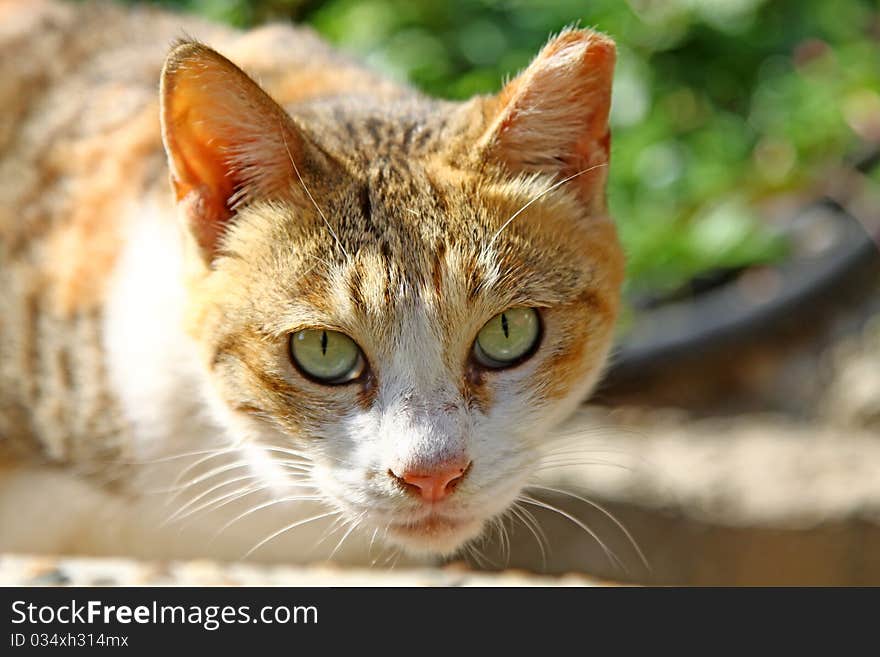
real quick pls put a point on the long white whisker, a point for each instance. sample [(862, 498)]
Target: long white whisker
[(556, 465), (606, 512), (234, 495), (503, 538), (540, 195), (306, 458), (335, 526), (217, 451), (208, 475), (287, 528), (197, 463), (370, 548), (207, 492), (222, 500), (481, 559), (311, 198), (259, 507), (354, 525), (286, 450), (295, 467), (529, 522), (613, 558)]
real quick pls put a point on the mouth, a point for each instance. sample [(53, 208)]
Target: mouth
[(435, 532), (430, 524)]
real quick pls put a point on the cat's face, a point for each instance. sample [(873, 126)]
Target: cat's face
[(402, 320)]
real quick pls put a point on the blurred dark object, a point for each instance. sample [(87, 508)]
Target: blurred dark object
[(729, 311), (722, 308)]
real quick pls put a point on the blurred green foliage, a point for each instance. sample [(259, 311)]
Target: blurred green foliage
[(718, 104)]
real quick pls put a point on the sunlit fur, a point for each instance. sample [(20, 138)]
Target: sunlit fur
[(362, 207)]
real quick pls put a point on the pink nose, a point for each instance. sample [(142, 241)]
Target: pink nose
[(437, 483)]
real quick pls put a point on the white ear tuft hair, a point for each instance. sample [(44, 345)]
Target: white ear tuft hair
[(553, 117), (227, 141)]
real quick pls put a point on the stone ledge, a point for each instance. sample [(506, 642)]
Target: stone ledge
[(25, 570)]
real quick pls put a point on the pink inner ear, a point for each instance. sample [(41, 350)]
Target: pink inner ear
[(198, 161), (553, 117), (201, 180), (221, 133)]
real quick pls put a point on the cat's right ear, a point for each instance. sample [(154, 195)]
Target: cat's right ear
[(553, 117), (227, 141)]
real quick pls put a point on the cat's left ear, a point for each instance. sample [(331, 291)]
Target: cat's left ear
[(227, 141), (553, 117)]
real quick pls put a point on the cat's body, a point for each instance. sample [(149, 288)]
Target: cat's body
[(144, 348)]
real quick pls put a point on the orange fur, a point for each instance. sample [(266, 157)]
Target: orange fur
[(306, 193)]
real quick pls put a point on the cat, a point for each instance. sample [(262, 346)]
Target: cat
[(347, 328)]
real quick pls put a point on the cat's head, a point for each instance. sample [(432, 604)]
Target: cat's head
[(399, 296)]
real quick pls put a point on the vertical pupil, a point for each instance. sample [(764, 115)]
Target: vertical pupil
[(504, 326), (324, 343)]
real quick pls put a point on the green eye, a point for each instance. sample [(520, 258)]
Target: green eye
[(327, 356), (508, 338)]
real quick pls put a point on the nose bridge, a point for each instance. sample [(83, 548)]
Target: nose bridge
[(426, 425), (426, 428), (430, 423)]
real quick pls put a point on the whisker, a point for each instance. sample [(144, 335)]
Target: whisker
[(354, 525), (554, 465), (208, 475), (295, 467), (335, 526), (370, 548), (222, 500), (540, 195), (580, 449), (323, 261), (393, 552), (174, 457), (307, 458), (287, 450), (264, 505), (529, 522), (207, 492), (234, 495), (309, 193), (607, 513), (287, 528), (503, 537), (204, 459), (612, 557), (483, 562)]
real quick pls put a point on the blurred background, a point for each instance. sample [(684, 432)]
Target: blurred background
[(719, 105), (742, 407)]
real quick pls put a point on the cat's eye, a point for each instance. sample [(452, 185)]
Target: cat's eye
[(327, 356), (508, 338)]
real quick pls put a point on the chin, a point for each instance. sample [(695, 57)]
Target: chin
[(434, 535)]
